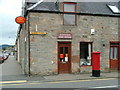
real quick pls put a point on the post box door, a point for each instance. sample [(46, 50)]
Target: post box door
[(64, 57)]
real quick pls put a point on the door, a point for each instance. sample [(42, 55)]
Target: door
[(114, 55), (64, 57)]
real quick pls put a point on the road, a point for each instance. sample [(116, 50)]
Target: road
[(96, 83), (12, 79)]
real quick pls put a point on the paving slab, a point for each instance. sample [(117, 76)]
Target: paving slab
[(11, 67), (61, 77)]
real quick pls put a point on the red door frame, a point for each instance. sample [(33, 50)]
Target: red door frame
[(60, 44), (112, 62)]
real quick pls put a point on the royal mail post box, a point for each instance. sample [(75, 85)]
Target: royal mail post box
[(96, 64)]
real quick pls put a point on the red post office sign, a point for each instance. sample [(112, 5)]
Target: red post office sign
[(65, 35), (20, 20)]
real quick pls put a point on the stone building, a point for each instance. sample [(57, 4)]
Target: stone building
[(58, 37)]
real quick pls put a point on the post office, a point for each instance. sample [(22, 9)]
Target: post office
[(59, 37)]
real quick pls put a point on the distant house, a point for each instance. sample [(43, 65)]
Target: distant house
[(58, 37)]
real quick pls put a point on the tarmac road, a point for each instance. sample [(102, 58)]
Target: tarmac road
[(85, 84)]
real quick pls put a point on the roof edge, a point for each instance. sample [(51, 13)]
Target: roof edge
[(92, 14)]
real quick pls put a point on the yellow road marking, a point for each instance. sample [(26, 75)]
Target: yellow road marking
[(104, 79), (81, 80), (13, 81), (70, 81), (11, 84), (7, 84)]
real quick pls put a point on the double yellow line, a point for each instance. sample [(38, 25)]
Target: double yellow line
[(6, 83)]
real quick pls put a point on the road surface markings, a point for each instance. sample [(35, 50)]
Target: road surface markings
[(80, 80), (54, 82), (69, 81), (7, 82), (115, 86)]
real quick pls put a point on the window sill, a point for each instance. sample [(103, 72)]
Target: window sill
[(85, 65), (69, 25)]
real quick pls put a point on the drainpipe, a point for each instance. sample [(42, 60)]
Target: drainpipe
[(28, 43)]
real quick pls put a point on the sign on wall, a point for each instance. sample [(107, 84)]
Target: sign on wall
[(20, 20), (65, 36), (38, 33)]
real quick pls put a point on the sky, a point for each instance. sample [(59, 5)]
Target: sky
[(9, 10)]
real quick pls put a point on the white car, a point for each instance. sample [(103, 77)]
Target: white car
[(6, 55)]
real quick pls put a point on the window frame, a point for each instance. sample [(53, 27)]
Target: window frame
[(114, 8), (114, 46), (72, 13), (91, 43)]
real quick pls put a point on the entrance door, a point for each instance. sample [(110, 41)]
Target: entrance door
[(114, 55), (64, 57)]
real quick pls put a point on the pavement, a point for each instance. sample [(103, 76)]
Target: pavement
[(71, 77), (11, 71)]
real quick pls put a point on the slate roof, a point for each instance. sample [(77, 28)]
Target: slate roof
[(49, 6), (83, 7), (96, 8)]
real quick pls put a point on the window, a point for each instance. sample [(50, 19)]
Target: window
[(69, 7), (69, 16), (114, 51), (111, 52), (114, 8), (85, 53), (69, 19)]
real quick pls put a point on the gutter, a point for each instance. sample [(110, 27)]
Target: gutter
[(18, 33), (58, 12)]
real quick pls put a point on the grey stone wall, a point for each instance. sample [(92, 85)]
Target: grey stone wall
[(23, 51), (43, 49), (26, 43)]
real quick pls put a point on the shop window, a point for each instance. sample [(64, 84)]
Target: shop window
[(85, 53), (69, 14)]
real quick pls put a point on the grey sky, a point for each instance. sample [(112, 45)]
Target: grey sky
[(9, 10)]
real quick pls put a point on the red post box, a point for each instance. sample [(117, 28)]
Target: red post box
[(96, 64)]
